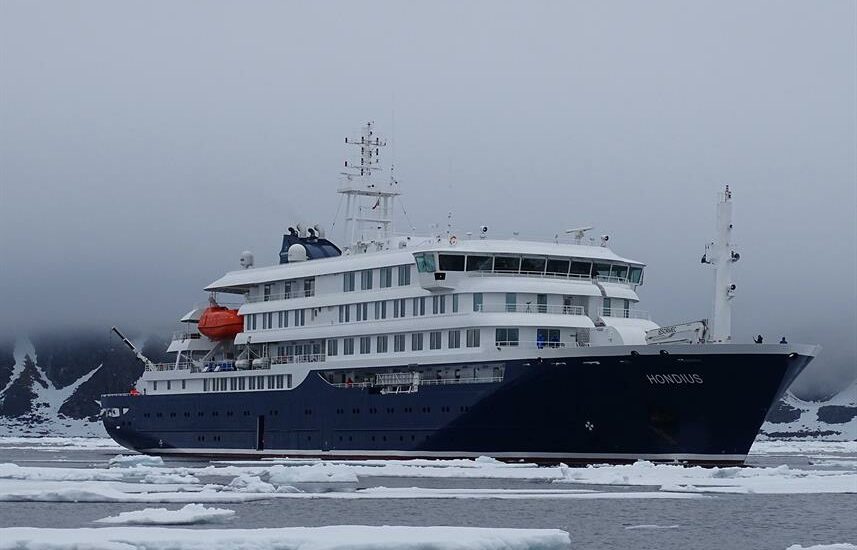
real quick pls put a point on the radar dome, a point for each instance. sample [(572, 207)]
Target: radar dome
[(297, 253), (246, 259)]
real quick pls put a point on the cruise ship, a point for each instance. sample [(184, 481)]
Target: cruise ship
[(452, 345)]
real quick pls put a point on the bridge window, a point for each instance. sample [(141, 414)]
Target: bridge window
[(635, 275), (619, 271), (557, 267), (580, 269), (602, 271), (533, 265), (507, 264), (451, 262), (425, 262), (480, 263), (506, 337)]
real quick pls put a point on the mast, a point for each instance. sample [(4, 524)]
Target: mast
[(368, 203), (721, 256)]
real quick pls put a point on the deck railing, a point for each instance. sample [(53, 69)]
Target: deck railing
[(625, 313), (530, 307)]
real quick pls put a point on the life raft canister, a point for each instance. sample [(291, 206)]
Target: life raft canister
[(220, 323)]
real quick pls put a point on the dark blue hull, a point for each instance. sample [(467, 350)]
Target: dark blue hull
[(701, 408)]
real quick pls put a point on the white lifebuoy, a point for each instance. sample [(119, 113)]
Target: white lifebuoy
[(453, 240)]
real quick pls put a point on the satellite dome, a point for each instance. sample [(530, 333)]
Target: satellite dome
[(297, 253), (246, 259)]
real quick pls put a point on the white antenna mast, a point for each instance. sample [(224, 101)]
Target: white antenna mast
[(721, 256), (377, 209)]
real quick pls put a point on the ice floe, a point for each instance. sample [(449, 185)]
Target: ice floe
[(340, 537), (651, 526), (781, 479), (189, 514), (834, 546), (126, 461)]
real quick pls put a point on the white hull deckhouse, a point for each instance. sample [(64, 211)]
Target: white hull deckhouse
[(452, 345)]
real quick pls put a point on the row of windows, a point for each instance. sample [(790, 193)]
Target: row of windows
[(385, 278), (290, 289), (242, 383), (170, 384), (276, 319), (429, 262), (399, 307), (417, 342)]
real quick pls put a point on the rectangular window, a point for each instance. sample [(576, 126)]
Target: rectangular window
[(480, 263), (271, 382), (425, 262), (635, 276), (242, 383), (511, 302), (454, 339), (255, 319), (547, 337), (380, 310), (309, 287), (451, 262), (477, 301), (398, 308), (542, 303), (399, 342), (602, 271), (287, 291), (289, 381), (419, 306), (266, 293), (332, 348), (223, 384), (366, 279), (363, 312), (417, 341), (507, 264), (348, 281), (580, 269), (434, 339), (626, 310), (385, 277), (169, 385), (279, 381), (435, 304), (348, 346), (557, 266), (264, 321), (506, 337), (299, 317), (365, 344), (282, 319), (473, 338), (381, 344), (233, 384), (205, 384), (184, 384), (533, 266), (455, 303), (607, 307), (404, 275), (252, 383)]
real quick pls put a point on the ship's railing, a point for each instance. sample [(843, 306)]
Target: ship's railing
[(273, 296), (625, 313), (299, 358), (533, 308), (547, 344), (424, 382), (185, 335), (540, 275), (159, 367)]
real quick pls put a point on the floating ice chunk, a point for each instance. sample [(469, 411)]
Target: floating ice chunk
[(246, 483), (318, 478), (340, 537), (129, 461), (790, 447), (779, 480), (651, 526), (835, 546), (189, 514), (78, 442)]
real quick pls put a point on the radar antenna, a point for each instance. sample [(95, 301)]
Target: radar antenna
[(368, 204)]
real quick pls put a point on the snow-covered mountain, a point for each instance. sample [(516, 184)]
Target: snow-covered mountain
[(833, 419), (50, 385)]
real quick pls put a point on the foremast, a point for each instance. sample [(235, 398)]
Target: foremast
[(721, 255)]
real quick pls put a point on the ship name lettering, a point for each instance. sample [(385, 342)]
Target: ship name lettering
[(681, 378)]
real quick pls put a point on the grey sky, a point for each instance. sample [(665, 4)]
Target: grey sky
[(143, 145)]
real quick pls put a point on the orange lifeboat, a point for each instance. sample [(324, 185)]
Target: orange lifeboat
[(220, 323)]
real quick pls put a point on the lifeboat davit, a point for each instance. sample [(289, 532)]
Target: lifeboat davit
[(220, 323)]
